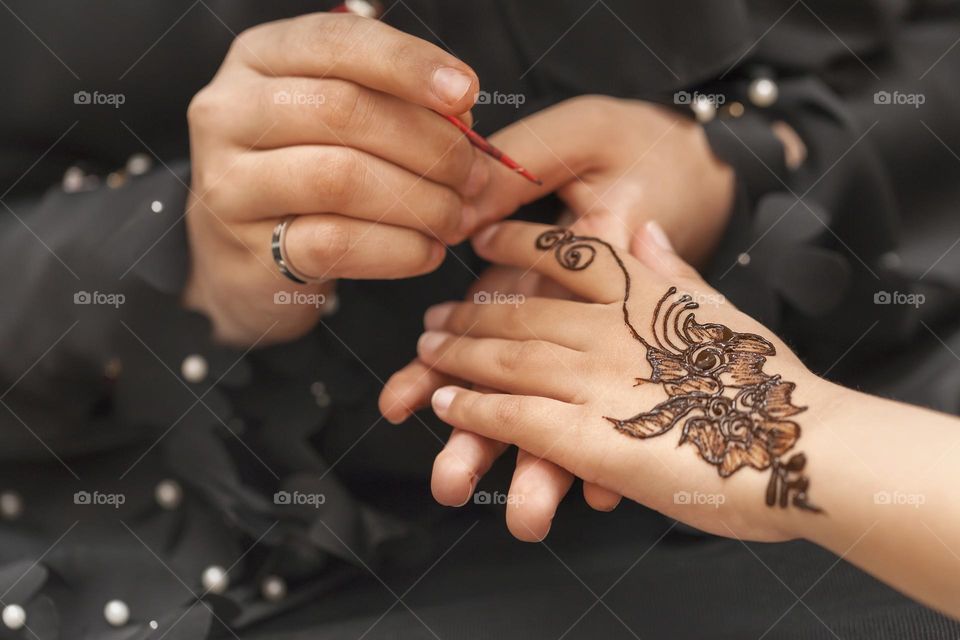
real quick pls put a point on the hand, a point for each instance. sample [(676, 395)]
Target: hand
[(618, 164), (331, 118), (610, 405), (538, 485)]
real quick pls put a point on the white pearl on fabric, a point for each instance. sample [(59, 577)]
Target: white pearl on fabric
[(704, 109), (11, 505), (194, 368), (215, 579), (117, 613), (14, 617), (138, 164), (156, 206), (763, 92), (168, 494), (273, 588)]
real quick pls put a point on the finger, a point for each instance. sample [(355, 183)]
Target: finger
[(547, 428), (557, 160), (284, 112), (507, 280), (531, 367), (537, 488), (599, 498), (653, 249), (309, 179), (332, 246), (364, 51), (588, 267), (494, 314), (459, 466), (409, 390)]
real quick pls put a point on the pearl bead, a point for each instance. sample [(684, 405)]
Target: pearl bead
[(11, 505), (168, 494), (74, 180), (215, 579), (117, 613), (743, 259), (273, 588), (138, 164), (14, 617), (156, 206), (703, 109), (194, 368), (763, 92), (154, 625)]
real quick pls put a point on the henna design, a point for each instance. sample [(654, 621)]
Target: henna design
[(731, 410)]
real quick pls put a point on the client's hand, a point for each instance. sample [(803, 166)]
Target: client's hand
[(618, 164), (656, 389), (538, 485)]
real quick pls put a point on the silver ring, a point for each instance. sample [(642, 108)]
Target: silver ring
[(278, 248)]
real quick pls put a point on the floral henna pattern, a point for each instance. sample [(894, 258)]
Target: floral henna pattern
[(734, 413)]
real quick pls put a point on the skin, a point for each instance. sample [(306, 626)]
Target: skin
[(886, 490), (329, 117), (616, 164)]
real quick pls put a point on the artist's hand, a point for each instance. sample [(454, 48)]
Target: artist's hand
[(618, 164), (538, 485), (581, 390), (331, 118)]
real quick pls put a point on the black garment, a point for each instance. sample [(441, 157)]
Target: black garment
[(98, 403)]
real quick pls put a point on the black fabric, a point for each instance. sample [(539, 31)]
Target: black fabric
[(95, 401)]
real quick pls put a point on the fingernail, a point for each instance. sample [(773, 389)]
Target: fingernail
[(450, 85), (468, 219), (484, 236), (473, 487), (436, 316), (478, 178), (443, 398), (430, 341), (659, 236)]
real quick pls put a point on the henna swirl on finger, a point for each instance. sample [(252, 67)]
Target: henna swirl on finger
[(731, 410)]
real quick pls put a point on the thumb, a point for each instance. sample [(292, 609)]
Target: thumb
[(549, 144), (653, 248)]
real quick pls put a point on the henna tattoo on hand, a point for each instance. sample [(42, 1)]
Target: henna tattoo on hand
[(731, 410)]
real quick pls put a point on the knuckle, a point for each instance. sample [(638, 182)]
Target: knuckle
[(344, 104), (329, 243), (333, 34), (515, 355), (508, 409), (342, 175), (205, 107), (456, 160)]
